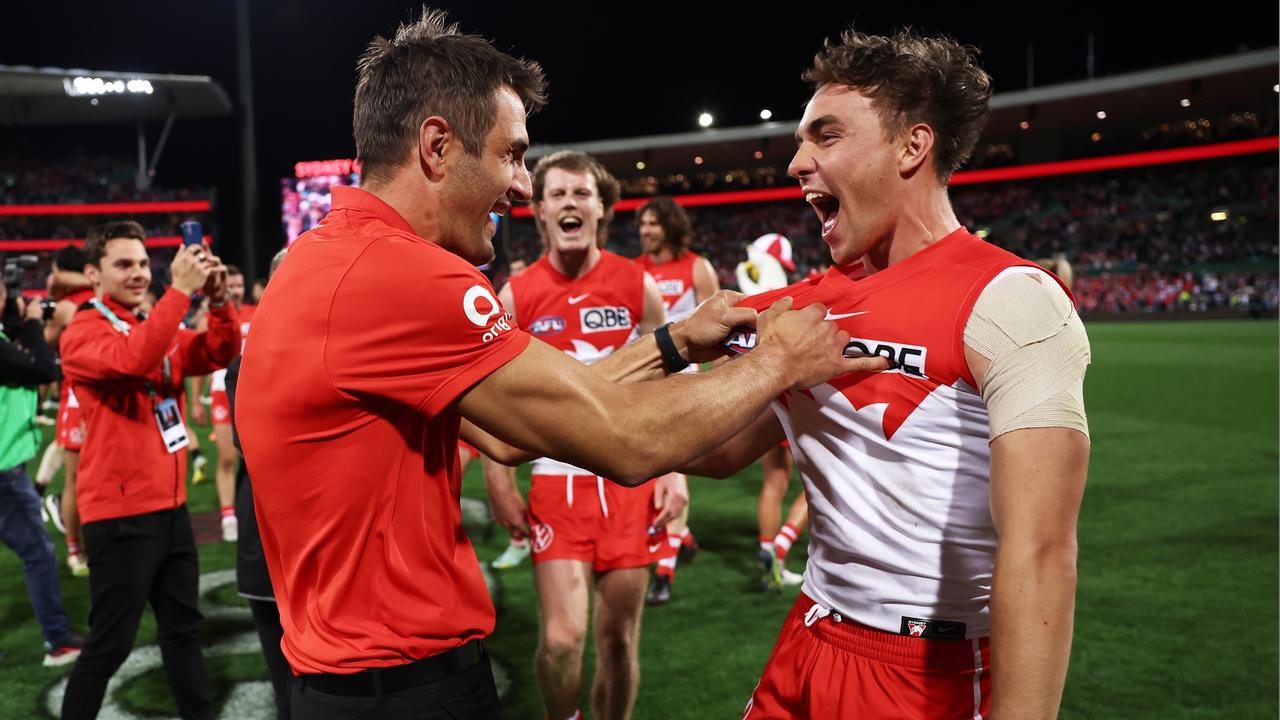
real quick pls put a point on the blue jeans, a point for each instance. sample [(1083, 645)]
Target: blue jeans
[(22, 530)]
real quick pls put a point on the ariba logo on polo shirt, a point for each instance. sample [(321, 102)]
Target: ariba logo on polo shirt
[(480, 306), (603, 319)]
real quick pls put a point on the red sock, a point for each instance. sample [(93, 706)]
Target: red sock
[(73, 546), (228, 511), (787, 535), (686, 537), (667, 557)]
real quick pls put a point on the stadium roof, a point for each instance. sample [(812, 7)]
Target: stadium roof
[(57, 96), (1132, 101)]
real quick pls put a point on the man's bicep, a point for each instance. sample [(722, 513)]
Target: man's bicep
[(705, 282), (539, 389), (744, 448), (1037, 483)]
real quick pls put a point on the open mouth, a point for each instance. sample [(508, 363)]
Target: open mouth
[(571, 225), (827, 207)]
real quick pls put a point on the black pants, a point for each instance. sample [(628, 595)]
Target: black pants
[(134, 561), (266, 618), (469, 694)]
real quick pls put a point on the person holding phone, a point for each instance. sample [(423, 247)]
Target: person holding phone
[(127, 373)]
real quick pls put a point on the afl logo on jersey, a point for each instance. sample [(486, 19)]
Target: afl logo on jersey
[(603, 319), (547, 325)]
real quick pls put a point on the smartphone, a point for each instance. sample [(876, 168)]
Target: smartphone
[(192, 233)]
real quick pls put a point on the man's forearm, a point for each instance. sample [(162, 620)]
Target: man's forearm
[(1032, 615), (640, 360)]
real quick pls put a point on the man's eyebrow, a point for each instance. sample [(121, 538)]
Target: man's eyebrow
[(816, 125)]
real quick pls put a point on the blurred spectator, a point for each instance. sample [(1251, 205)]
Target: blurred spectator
[(27, 361)]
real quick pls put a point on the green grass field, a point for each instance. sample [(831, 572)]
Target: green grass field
[(1177, 603)]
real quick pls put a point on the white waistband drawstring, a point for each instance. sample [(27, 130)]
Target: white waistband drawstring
[(817, 612), (568, 488), (600, 488)]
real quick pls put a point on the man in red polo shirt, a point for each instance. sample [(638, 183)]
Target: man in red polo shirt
[(383, 336), (131, 489)]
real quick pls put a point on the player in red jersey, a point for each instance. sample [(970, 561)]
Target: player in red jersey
[(220, 409), (685, 279), (590, 539), (69, 286), (945, 491)]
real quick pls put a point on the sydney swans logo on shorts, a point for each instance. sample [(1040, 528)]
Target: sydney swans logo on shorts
[(604, 319), (543, 536), (480, 306)]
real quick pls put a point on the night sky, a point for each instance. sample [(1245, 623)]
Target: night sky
[(652, 72)]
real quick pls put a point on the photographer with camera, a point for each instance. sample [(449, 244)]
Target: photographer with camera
[(26, 362), (131, 490)]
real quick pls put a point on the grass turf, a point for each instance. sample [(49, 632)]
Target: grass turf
[(1177, 603)]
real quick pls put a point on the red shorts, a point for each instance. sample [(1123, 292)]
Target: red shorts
[(591, 520), (220, 408), (69, 434), (841, 669)]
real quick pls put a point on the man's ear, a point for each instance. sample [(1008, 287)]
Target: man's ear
[(915, 149), (434, 138)]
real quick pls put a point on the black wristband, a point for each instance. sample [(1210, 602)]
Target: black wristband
[(667, 347)]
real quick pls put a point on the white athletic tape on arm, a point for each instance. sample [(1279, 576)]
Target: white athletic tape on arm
[(1039, 352)]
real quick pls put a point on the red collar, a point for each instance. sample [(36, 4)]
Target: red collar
[(350, 198)]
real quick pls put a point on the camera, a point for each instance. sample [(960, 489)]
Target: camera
[(14, 270)]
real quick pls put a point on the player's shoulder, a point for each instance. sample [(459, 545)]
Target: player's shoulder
[(798, 291)]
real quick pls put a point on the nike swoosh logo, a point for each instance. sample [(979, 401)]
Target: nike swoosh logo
[(654, 548), (580, 298), (832, 316)]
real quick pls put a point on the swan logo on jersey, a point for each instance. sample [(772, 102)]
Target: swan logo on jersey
[(604, 319), (916, 628), (547, 325), (671, 287), (479, 305), (586, 353)]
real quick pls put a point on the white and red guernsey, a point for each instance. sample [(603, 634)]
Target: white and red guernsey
[(896, 464), (675, 282), (586, 317)]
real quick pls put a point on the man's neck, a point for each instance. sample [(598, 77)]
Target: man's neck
[(410, 203), (662, 255), (111, 301), (921, 223), (575, 264)]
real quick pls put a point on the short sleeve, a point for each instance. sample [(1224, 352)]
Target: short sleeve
[(416, 325)]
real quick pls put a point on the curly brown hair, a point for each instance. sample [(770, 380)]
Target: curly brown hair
[(677, 230), (914, 79)]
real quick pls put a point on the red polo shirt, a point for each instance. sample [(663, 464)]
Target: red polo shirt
[(363, 340)]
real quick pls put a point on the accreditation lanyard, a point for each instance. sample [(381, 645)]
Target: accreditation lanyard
[(173, 433)]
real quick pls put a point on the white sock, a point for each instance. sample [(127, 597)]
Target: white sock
[(50, 464)]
